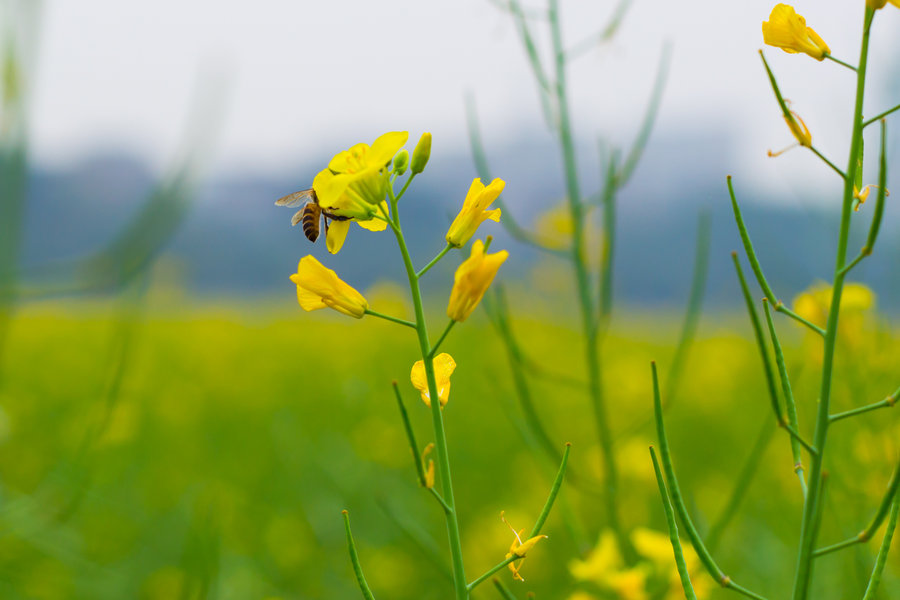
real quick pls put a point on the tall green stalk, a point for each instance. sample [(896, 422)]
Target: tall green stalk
[(583, 282), (437, 417), (812, 506)]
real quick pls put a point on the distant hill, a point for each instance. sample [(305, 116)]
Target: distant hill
[(236, 242)]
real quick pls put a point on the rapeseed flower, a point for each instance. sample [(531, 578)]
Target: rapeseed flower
[(474, 211), (787, 30), (356, 181), (320, 287), (444, 365), (472, 279), (518, 548)]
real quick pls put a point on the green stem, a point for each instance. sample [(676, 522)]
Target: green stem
[(405, 186), (434, 261), (354, 558), (592, 355), (410, 435), (440, 438), (678, 501), (827, 162), (840, 62), (812, 506), (501, 589), (790, 405), (760, 340), (757, 269), (886, 403), (881, 115), (673, 532), (438, 343), (877, 215), (881, 560), (390, 318)]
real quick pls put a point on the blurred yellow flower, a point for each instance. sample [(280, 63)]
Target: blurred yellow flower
[(355, 182), (555, 228), (518, 548), (876, 4), (444, 365), (656, 576), (787, 30), (320, 287), (474, 211), (814, 303), (472, 279)]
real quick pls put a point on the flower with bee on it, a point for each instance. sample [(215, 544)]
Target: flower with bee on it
[(311, 214)]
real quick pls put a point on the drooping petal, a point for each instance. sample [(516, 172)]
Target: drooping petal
[(787, 30), (337, 233)]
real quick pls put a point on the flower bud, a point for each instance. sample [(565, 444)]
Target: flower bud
[(401, 161), (421, 154)]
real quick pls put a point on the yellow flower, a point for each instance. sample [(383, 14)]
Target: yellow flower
[(787, 30), (444, 366), (319, 287), (814, 303), (474, 211), (605, 567), (876, 4), (518, 548), (355, 182), (472, 279)]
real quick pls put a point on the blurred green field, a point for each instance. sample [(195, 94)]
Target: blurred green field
[(207, 452)]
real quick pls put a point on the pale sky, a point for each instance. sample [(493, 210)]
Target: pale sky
[(308, 78)]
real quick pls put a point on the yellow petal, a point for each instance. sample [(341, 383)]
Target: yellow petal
[(386, 146), (376, 224), (472, 279), (337, 233), (527, 545)]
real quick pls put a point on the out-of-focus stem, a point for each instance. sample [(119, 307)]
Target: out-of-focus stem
[(592, 355)]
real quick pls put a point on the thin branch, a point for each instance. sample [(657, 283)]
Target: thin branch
[(354, 558), (705, 557), (390, 318)]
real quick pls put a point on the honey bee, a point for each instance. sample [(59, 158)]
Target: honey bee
[(310, 214)]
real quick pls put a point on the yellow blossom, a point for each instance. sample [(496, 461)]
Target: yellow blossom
[(356, 180), (814, 303), (472, 279), (605, 567), (787, 30), (518, 548), (444, 365), (876, 4), (474, 211), (319, 287)]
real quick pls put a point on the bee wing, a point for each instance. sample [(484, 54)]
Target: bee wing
[(298, 216), (297, 198)]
